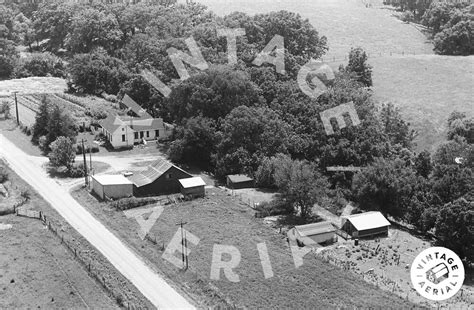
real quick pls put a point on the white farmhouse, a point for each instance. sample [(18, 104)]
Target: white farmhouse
[(124, 131)]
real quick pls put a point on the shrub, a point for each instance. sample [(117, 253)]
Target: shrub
[(92, 149), (96, 113), (407, 16), (77, 171), (133, 202), (3, 174), (274, 207), (5, 109)]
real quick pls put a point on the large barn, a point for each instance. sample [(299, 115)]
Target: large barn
[(112, 186), (161, 177), (365, 224)]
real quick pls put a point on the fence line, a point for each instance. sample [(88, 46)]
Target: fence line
[(334, 59), (87, 263)]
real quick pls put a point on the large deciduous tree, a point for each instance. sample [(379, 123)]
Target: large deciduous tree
[(62, 153)]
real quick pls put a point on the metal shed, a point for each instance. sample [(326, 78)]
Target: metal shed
[(365, 224), (238, 181), (112, 186), (322, 233), (193, 187)]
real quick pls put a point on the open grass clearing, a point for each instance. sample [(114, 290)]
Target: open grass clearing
[(37, 271), (428, 88), (220, 219)]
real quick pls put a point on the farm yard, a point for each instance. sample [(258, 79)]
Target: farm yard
[(224, 220), (386, 262), (417, 84)]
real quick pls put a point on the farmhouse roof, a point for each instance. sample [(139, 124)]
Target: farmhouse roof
[(111, 123), (153, 172), (315, 228), (135, 107), (368, 220), (192, 182), (239, 178), (110, 179)]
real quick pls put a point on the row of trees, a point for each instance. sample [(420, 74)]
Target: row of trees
[(452, 26)]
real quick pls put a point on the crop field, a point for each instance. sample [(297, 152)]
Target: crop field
[(220, 219), (427, 87), (74, 106), (33, 85)]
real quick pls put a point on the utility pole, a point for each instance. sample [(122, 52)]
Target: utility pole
[(90, 159), (85, 162), (16, 106), (184, 255)]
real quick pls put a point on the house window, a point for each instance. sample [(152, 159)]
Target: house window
[(123, 129), (157, 133), (123, 138), (169, 175), (136, 135), (141, 134), (148, 134)]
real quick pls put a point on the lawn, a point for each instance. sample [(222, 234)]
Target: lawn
[(426, 87), (38, 271), (221, 219)]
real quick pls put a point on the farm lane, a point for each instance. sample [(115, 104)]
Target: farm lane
[(150, 284)]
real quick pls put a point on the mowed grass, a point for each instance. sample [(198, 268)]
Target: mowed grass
[(221, 220), (428, 88)]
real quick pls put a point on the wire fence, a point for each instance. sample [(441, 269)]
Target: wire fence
[(90, 266)]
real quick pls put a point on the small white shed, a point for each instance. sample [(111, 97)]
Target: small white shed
[(112, 186), (193, 187)]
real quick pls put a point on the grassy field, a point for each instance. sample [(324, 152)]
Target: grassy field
[(36, 271), (46, 274), (221, 219), (426, 87)]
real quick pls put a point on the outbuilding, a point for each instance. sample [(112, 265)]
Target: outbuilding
[(366, 224), (161, 177), (238, 181), (321, 233), (112, 186), (193, 187)]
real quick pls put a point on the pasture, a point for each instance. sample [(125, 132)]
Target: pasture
[(426, 87), (223, 220)]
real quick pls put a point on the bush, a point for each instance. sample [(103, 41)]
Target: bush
[(3, 174), (96, 113), (93, 149), (133, 202), (274, 207), (77, 171), (407, 16), (5, 109)]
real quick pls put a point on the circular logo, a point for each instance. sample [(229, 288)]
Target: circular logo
[(437, 273)]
